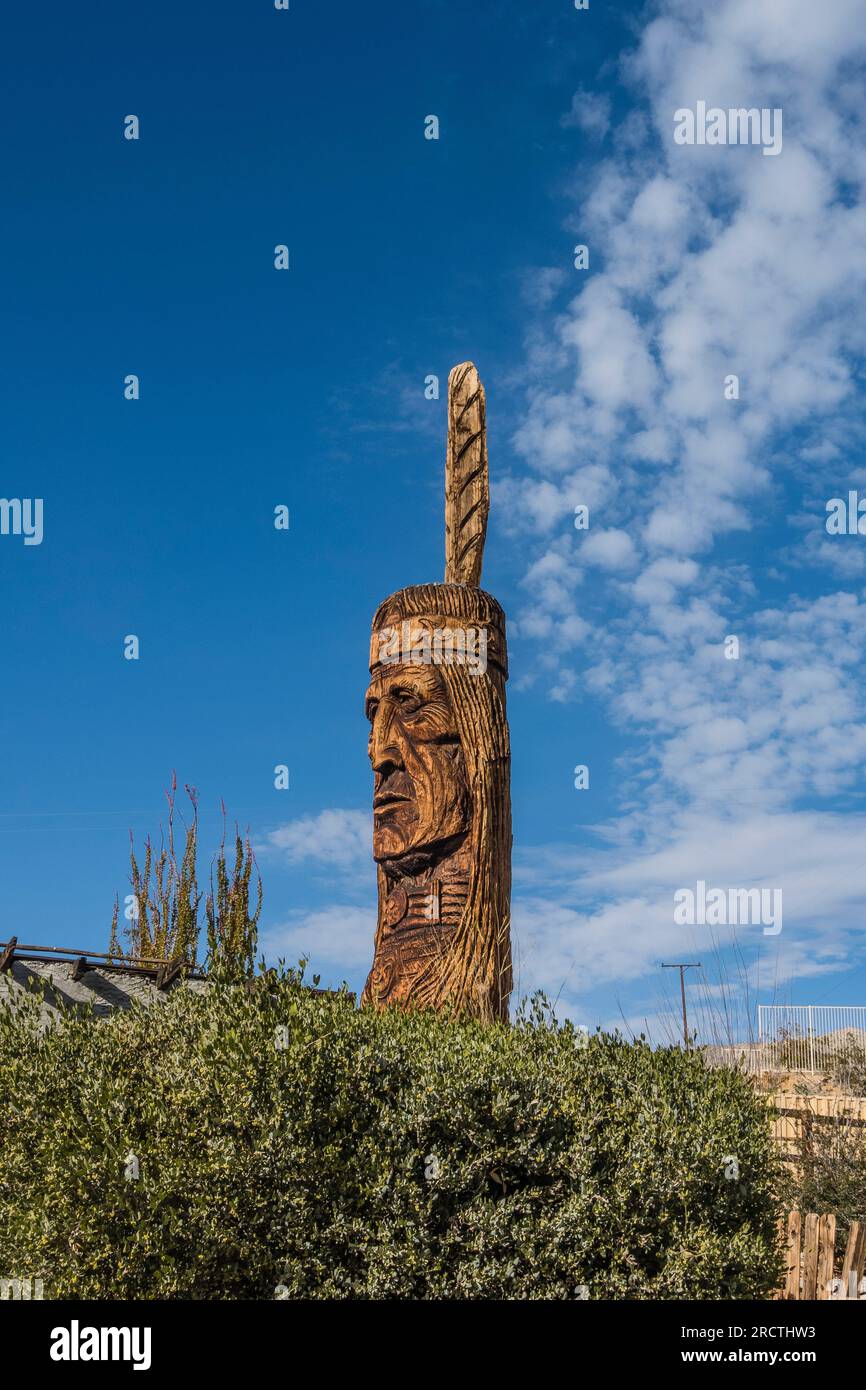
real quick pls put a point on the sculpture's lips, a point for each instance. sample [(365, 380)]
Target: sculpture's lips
[(388, 799)]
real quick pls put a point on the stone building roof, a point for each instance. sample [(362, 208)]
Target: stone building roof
[(99, 985)]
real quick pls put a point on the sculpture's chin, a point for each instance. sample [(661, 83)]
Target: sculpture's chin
[(389, 843), (416, 859)]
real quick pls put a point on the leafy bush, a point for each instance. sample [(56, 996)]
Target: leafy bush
[(289, 1145), (827, 1172)]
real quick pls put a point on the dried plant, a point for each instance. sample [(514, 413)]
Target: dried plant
[(232, 930), (163, 911)]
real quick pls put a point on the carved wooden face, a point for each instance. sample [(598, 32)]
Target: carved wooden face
[(420, 794)]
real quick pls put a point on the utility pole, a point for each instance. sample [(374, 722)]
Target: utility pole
[(686, 965)]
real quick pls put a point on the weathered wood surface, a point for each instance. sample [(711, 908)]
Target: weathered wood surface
[(794, 1248), (440, 752), (467, 488), (797, 1115), (854, 1262), (812, 1267), (810, 1257), (826, 1254)]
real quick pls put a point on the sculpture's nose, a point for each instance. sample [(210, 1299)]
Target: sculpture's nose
[(383, 746)]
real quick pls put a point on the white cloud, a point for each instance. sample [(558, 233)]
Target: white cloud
[(813, 857), (589, 112), (337, 938), (540, 286), (710, 262), (659, 581), (339, 838), (610, 550)]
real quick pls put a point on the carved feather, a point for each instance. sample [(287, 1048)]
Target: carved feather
[(467, 489)]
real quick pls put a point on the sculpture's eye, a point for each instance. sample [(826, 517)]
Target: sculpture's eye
[(407, 701), (372, 706)]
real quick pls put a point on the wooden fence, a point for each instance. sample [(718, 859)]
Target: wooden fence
[(813, 1271), (796, 1117)]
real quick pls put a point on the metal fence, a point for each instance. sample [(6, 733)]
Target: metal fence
[(809, 1037)]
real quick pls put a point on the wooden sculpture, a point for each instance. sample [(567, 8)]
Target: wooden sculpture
[(441, 759)]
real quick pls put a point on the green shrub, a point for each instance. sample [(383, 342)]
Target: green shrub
[(372, 1156), (827, 1172)]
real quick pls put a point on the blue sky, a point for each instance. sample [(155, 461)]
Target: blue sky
[(306, 388)]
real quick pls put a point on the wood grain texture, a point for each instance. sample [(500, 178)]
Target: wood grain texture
[(467, 488), (440, 752), (810, 1257), (792, 1250), (854, 1263), (826, 1254)]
